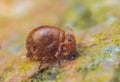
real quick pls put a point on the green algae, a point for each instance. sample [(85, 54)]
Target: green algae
[(51, 74)]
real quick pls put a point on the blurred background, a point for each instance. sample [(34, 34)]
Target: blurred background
[(19, 17)]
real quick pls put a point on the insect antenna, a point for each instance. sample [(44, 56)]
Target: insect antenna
[(70, 29)]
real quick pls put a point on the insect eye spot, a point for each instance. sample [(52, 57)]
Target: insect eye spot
[(69, 39)]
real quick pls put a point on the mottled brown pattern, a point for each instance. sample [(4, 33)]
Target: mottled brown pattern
[(47, 42)]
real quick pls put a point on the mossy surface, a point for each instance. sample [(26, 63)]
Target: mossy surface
[(96, 27), (97, 61)]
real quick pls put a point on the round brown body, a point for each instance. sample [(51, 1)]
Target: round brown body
[(44, 42)]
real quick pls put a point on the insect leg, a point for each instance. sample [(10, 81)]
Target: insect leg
[(41, 63), (56, 57), (58, 53), (60, 47)]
